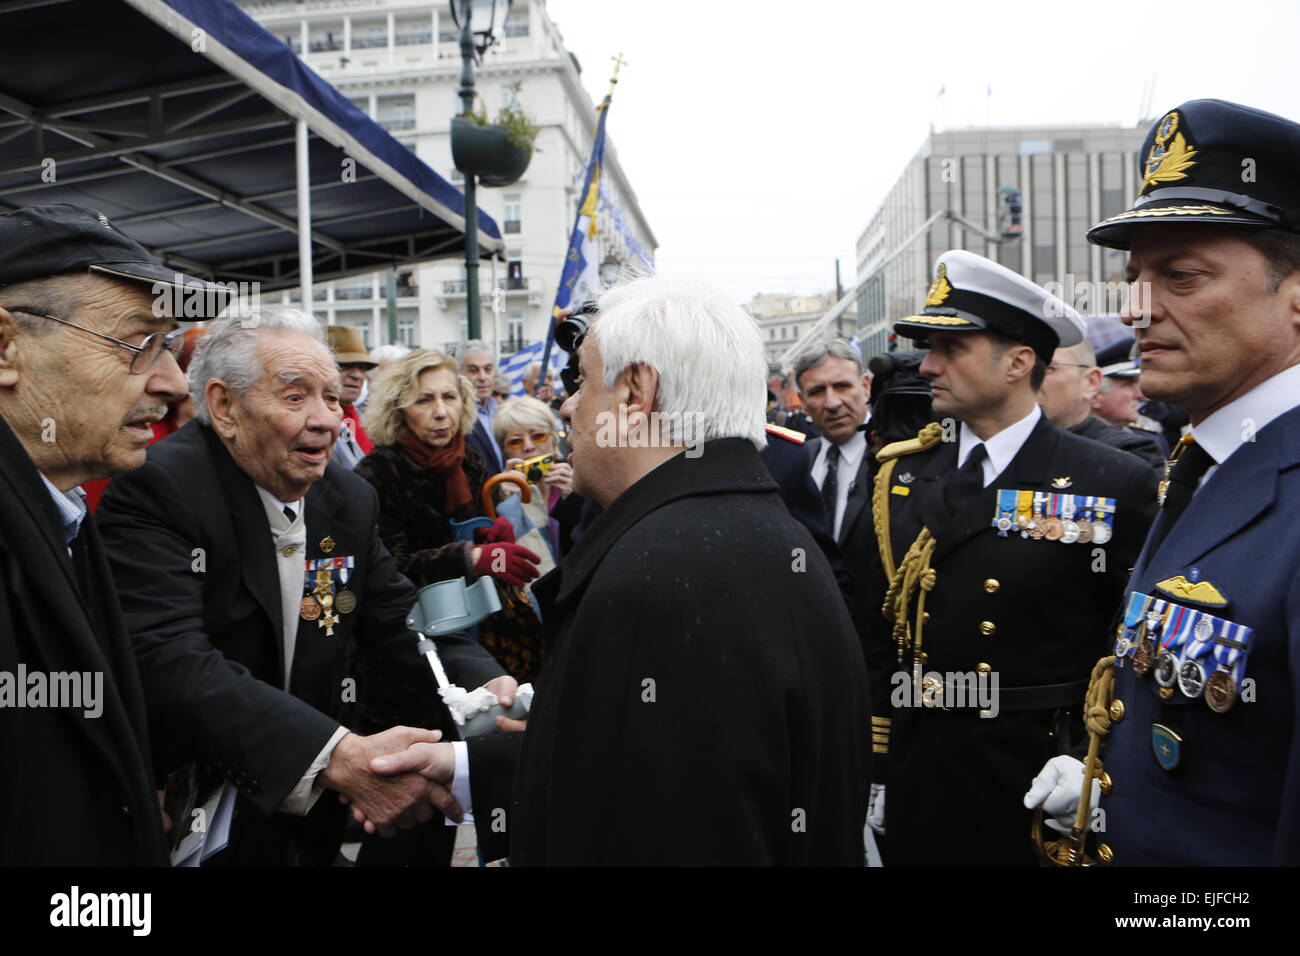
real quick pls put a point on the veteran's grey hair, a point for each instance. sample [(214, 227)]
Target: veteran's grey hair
[(229, 350)]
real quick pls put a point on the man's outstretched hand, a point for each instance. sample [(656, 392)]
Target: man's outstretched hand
[(385, 802), (434, 762)]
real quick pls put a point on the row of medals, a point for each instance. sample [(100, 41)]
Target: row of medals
[(1219, 688), (1064, 529), (322, 603)]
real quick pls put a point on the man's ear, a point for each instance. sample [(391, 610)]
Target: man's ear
[(642, 383), (866, 384), (8, 349), (220, 400), (1091, 383), (1022, 362)]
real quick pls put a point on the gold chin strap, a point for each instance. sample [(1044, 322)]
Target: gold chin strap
[(914, 572)]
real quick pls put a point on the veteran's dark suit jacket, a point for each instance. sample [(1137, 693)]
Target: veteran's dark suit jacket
[(74, 790), (192, 555), (1050, 606), (1234, 797), (681, 716)]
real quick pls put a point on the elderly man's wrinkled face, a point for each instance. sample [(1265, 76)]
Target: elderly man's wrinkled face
[(354, 377), (481, 371), (586, 410), (72, 399), (281, 430)]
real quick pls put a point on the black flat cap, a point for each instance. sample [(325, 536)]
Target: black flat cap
[(62, 239)]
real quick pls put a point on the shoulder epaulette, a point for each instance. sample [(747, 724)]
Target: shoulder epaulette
[(926, 438), (789, 434)]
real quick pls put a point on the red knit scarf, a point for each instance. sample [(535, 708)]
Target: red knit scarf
[(446, 464)]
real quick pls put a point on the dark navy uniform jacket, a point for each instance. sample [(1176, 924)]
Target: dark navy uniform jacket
[(1233, 798)]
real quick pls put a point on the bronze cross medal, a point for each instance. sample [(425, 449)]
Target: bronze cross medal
[(324, 592)]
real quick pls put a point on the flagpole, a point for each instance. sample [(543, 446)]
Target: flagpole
[(601, 112)]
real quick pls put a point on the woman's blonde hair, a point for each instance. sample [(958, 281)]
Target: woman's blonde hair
[(398, 386), (523, 412)]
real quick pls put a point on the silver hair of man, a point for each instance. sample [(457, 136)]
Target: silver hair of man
[(706, 350), (472, 347), (229, 350), (819, 352)]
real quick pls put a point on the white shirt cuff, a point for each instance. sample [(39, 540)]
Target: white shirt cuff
[(460, 781), (304, 796)]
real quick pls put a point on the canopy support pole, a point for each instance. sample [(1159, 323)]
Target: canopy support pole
[(304, 217)]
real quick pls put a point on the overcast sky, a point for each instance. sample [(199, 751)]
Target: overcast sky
[(760, 136)]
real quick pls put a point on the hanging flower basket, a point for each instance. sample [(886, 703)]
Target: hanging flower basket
[(488, 152)]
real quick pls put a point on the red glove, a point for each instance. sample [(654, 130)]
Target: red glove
[(501, 530), (508, 562)]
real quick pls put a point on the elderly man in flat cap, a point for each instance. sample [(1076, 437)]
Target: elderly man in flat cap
[(87, 363), (1005, 544)]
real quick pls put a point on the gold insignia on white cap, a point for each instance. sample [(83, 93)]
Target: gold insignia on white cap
[(940, 288)]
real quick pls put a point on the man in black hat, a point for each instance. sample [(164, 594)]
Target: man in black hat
[(1005, 549), (87, 362), (1203, 752)]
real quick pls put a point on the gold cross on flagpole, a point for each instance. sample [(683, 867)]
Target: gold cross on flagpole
[(619, 63)]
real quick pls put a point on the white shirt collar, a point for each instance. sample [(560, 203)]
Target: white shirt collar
[(1000, 448), (853, 449), (275, 510), (1223, 432)]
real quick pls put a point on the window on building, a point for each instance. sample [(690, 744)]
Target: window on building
[(517, 25), (406, 332), (511, 221), (464, 326), (515, 330)]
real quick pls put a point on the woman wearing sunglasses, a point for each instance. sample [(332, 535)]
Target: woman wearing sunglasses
[(526, 430)]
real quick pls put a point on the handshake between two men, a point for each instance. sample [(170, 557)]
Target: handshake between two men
[(395, 779)]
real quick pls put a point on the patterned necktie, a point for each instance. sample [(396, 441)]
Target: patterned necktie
[(967, 481), (831, 483), (1189, 465)]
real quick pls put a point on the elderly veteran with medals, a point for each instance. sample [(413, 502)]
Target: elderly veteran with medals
[(267, 617), (1005, 548), (1199, 754)]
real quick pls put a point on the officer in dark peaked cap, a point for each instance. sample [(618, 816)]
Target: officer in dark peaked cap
[(1005, 549), (1202, 756)]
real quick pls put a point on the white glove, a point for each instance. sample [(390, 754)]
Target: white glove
[(1057, 788), (876, 808)]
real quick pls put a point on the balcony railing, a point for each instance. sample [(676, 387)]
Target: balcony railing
[(511, 225), (369, 42), (325, 45), (457, 286), (413, 37), (354, 292), (396, 124), (516, 29)]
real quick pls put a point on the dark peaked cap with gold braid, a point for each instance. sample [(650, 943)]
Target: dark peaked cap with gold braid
[(1216, 162), (974, 294)]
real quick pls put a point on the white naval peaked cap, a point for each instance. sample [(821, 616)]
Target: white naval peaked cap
[(971, 293)]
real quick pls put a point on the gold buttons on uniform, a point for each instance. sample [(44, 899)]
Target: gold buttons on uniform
[(1105, 855), (1104, 784), (991, 585), (1116, 709), (1166, 692), (984, 668), (925, 617), (988, 628), (289, 551)]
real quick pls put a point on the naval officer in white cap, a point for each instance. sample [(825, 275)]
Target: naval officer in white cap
[(1004, 544)]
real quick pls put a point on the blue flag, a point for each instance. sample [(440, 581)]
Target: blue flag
[(580, 280)]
